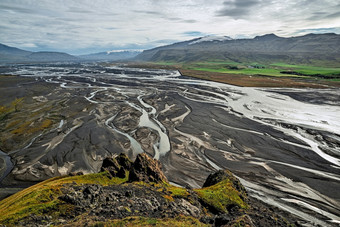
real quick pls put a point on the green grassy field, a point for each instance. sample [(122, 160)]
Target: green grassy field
[(276, 69), (308, 70)]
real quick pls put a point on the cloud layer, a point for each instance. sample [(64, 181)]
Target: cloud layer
[(97, 25)]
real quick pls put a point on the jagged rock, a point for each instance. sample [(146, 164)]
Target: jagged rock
[(124, 161), (90, 195), (207, 220), (116, 166), (146, 169), (121, 173), (221, 175), (110, 162), (222, 219), (189, 209)]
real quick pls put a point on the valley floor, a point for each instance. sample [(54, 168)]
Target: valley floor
[(283, 144)]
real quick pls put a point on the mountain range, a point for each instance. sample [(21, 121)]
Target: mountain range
[(14, 55), (267, 48), (309, 48)]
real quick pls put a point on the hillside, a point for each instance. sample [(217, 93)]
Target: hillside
[(138, 193), (11, 54), (14, 55), (45, 56), (307, 49)]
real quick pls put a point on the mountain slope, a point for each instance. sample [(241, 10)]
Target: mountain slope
[(15, 55), (267, 48), (45, 56), (13, 51), (8, 54)]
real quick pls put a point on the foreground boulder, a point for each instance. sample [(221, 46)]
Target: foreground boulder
[(147, 169), (222, 175)]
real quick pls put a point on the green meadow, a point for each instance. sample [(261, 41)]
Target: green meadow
[(275, 69)]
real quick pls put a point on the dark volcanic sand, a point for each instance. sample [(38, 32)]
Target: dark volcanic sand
[(284, 145)]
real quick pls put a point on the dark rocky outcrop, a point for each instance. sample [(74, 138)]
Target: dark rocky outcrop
[(124, 161), (117, 166), (221, 175), (122, 201), (146, 169)]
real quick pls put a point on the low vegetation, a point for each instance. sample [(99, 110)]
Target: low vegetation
[(42, 198), (222, 196)]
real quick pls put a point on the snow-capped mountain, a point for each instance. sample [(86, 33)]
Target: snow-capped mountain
[(211, 38)]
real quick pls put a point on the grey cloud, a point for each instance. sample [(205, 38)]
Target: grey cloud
[(165, 41), (319, 13), (189, 21), (76, 10), (244, 3), (333, 15), (322, 16), (174, 18), (149, 23), (147, 12), (16, 9), (238, 9), (111, 28)]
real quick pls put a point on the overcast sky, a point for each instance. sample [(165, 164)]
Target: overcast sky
[(84, 26)]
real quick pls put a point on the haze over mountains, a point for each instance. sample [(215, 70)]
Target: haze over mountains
[(305, 49)]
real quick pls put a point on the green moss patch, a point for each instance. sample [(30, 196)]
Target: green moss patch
[(221, 196)]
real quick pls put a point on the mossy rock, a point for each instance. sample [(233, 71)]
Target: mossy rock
[(223, 192)]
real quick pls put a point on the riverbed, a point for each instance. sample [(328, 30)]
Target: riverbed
[(283, 144)]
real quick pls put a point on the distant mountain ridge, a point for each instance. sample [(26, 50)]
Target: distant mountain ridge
[(15, 55), (51, 56), (304, 49), (267, 48), (12, 50)]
